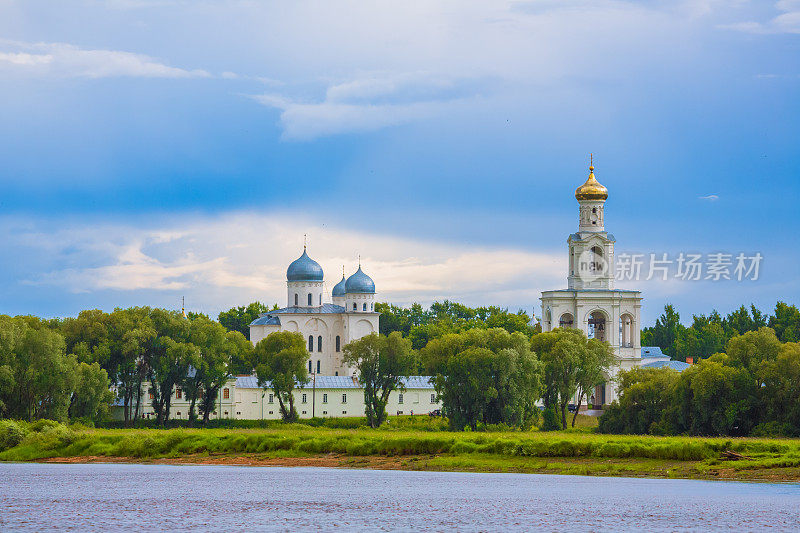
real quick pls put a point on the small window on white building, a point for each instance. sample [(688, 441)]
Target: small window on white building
[(309, 365), (318, 366), (433, 398), (364, 307), (324, 398), (400, 398), (309, 299), (271, 398), (305, 399), (226, 394), (355, 306), (311, 343), (344, 398), (296, 300), (319, 343), (338, 343)]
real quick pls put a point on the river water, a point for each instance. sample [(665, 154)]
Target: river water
[(110, 497)]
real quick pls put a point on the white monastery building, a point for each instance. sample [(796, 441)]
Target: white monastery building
[(590, 302), (327, 326)]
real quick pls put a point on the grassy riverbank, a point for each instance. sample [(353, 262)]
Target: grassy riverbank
[(408, 445)]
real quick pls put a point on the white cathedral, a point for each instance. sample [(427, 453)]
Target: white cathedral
[(327, 326)]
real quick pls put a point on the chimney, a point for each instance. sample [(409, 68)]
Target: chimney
[(690, 360)]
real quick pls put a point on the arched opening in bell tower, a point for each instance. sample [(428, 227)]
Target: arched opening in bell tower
[(566, 321), (597, 326)]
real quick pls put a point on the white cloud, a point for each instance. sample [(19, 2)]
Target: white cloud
[(243, 257), (710, 197), (788, 21), (67, 60)]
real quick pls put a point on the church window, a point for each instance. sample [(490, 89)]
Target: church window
[(338, 343), (311, 343), (226, 393), (372, 307), (309, 365), (324, 398), (318, 363), (320, 299), (309, 299), (566, 321), (296, 302), (344, 398), (365, 306), (305, 398), (319, 343), (355, 306)]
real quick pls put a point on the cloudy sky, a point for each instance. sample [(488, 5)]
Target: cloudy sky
[(156, 149)]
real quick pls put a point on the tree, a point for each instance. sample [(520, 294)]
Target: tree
[(216, 348), (34, 362), (665, 332), (239, 318), (781, 391), (593, 370), (487, 376), (92, 396), (280, 362), (751, 350), (381, 361), (644, 395), (572, 364), (786, 322)]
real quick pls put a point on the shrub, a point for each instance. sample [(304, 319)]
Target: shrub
[(11, 434)]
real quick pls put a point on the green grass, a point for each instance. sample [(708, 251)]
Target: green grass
[(422, 444)]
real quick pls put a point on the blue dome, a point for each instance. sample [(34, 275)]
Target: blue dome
[(359, 283), (304, 269), (339, 288)]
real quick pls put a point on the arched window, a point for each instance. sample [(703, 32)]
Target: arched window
[(317, 366), (309, 365), (320, 299), (309, 299), (355, 306), (597, 266), (311, 343), (566, 321), (365, 306), (372, 307), (319, 343), (338, 343), (296, 301)]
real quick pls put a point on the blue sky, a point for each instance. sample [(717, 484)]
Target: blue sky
[(156, 149)]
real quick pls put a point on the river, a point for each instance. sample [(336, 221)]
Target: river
[(110, 497)]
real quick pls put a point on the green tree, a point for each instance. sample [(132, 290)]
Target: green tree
[(34, 362), (781, 391), (239, 318), (665, 332), (786, 322), (644, 396), (571, 364), (92, 397), (280, 362), (596, 361), (381, 361), (487, 376)]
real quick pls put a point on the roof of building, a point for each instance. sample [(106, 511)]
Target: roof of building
[(359, 283), (339, 288), (652, 351), (304, 269), (266, 320), (594, 290), (607, 236), (337, 382), (680, 366)]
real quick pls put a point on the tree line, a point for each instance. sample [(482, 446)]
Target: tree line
[(751, 387), (709, 334)]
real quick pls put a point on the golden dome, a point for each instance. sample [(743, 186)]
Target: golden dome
[(592, 189)]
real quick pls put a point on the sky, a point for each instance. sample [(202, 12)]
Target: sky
[(154, 150)]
